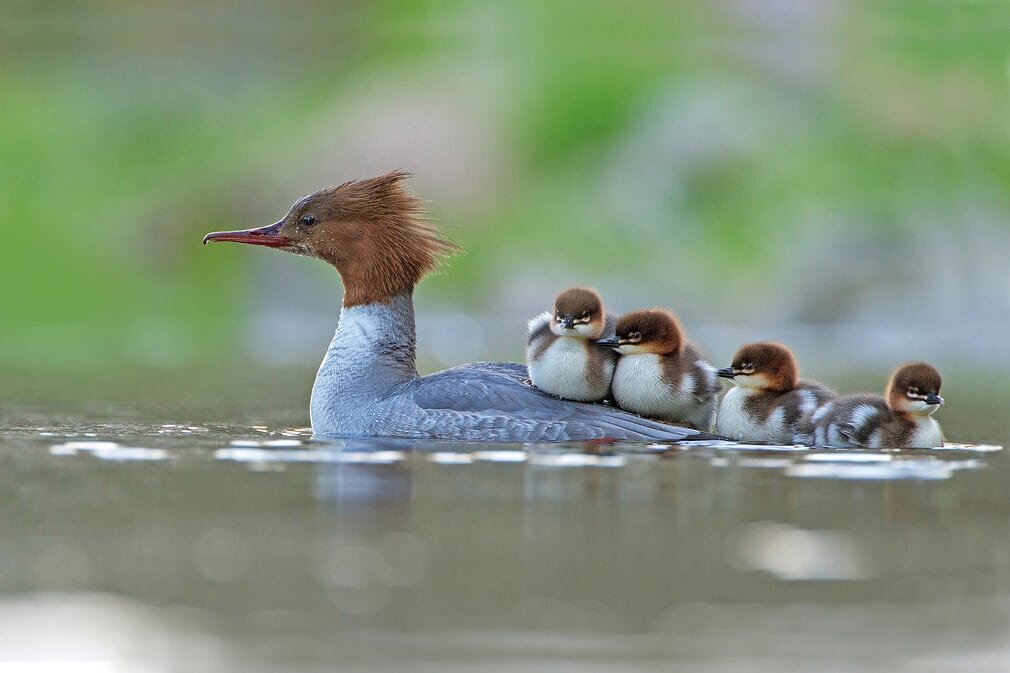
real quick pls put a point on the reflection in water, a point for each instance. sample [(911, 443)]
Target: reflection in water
[(308, 455), (792, 553), (108, 451), (347, 482), (102, 632), (221, 554), (359, 555), (915, 468)]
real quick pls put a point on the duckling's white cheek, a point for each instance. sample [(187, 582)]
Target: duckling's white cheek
[(917, 407), (587, 330), (629, 349), (749, 380)]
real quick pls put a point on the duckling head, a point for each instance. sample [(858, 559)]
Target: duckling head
[(764, 366), (578, 312), (914, 388)]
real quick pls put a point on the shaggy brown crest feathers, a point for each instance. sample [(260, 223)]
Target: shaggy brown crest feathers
[(373, 231)]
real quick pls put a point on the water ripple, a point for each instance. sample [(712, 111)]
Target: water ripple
[(108, 451), (913, 468), (276, 448), (264, 455)]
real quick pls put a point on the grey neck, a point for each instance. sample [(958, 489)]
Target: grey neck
[(372, 351)]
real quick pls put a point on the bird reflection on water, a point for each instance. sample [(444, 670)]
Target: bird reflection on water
[(273, 543)]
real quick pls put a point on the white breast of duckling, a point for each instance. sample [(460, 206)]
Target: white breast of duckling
[(562, 370), (639, 386), (927, 434), (737, 422), (733, 419)]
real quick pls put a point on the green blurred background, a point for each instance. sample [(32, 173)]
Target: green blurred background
[(833, 174)]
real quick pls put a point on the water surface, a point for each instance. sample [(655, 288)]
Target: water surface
[(164, 523)]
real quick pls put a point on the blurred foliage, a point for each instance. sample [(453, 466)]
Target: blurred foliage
[(127, 130)]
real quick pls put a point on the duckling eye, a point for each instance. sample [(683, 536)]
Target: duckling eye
[(634, 336), (747, 367), (585, 314), (913, 391), (308, 220)]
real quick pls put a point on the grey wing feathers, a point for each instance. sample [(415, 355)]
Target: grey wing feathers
[(489, 401)]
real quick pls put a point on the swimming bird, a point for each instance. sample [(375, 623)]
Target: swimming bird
[(562, 355), (373, 232), (659, 374), (768, 403), (902, 418)]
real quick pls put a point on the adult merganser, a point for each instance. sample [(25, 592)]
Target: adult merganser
[(659, 374), (903, 418), (373, 232), (562, 355), (767, 402)]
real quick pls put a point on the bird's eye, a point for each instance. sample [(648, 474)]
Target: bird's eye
[(747, 367), (308, 220), (913, 391), (634, 336), (585, 314)]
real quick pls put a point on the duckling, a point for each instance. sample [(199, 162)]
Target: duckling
[(659, 374), (562, 356), (902, 418), (767, 402)]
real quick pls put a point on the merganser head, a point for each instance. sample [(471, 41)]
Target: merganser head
[(578, 311), (765, 366), (373, 231), (653, 330), (914, 388)]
